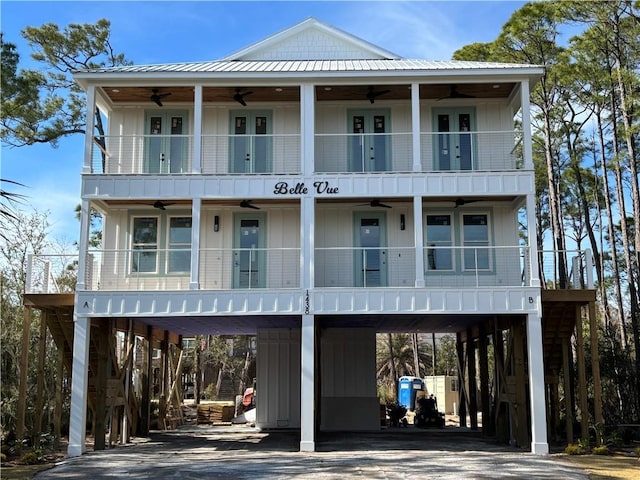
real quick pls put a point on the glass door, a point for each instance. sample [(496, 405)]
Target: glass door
[(455, 141), (251, 142), (249, 258), (370, 254), (166, 142), (370, 144)]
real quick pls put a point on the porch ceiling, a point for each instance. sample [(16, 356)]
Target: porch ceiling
[(248, 325), (225, 94)]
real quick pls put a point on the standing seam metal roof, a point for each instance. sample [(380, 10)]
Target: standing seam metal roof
[(289, 66)]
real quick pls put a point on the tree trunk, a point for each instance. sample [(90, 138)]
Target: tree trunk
[(392, 366)]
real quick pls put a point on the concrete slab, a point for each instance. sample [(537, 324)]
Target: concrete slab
[(241, 452)]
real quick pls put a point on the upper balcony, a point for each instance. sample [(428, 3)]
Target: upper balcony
[(355, 129), (334, 153)]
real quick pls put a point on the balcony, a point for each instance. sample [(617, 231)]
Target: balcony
[(173, 154), (445, 267), (280, 154)]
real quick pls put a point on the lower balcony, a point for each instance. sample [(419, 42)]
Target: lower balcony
[(280, 269)]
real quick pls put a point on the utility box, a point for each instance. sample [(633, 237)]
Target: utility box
[(408, 387)]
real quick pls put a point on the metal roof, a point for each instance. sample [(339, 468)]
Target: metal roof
[(310, 66)]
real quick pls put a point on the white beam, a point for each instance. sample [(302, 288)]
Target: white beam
[(539, 445), (79, 383), (419, 240), (194, 283), (196, 164), (307, 384)]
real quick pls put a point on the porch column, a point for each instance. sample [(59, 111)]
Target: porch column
[(83, 246), (196, 161), (307, 384), (79, 382), (539, 445), (307, 130), (307, 340), (418, 241), (415, 127), (194, 282), (534, 267), (87, 166), (526, 125)]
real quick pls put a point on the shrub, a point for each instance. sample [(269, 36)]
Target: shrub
[(29, 458), (573, 449), (600, 450)]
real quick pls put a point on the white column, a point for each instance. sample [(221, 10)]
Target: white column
[(307, 128), (415, 127), (526, 125), (89, 132), (534, 270), (194, 282), (79, 382), (83, 244), (307, 385), (196, 163), (418, 240), (539, 445)]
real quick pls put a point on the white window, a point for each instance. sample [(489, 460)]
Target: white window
[(439, 238), (145, 245), (166, 253), (475, 236), (179, 245)]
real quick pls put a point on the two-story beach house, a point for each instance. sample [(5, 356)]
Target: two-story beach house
[(314, 189)]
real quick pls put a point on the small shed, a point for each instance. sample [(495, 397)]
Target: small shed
[(445, 389)]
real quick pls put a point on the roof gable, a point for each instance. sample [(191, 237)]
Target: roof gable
[(311, 40)]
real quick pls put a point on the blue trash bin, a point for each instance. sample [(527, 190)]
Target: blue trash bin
[(408, 387)]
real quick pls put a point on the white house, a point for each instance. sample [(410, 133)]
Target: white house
[(312, 189)]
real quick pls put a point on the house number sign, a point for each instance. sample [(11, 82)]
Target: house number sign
[(320, 187)]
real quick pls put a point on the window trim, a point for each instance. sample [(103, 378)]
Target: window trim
[(135, 247), (163, 221), (489, 244), (452, 242), (180, 247)]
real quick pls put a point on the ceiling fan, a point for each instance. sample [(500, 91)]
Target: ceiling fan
[(461, 201), (248, 204), (372, 94), (239, 97), (376, 203), (157, 97), (454, 93), (161, 205)]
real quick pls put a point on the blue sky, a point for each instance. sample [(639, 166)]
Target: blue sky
[(169, 31)]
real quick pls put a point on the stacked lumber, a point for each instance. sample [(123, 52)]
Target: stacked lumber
[(215, 412)]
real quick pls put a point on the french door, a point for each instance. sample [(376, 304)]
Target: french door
[(370, 254), (166, 142), (249, 255), (370, 144), (251, 141), (455, 142)]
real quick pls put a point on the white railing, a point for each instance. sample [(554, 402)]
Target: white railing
[(249, 268), (477, 266), (279, 154), (275, 154), (566, 269), (363, 152), (169, 269), (279, 268), (143, 154), (221, 154), (365, 267), (51, 273), (470, 151)]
